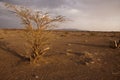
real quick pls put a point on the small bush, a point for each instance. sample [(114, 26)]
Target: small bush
[(114, 44)]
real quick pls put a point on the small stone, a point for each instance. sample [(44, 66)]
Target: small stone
[(86, 41), (92, 62), (69, 50), (69, 44), (86, 63), (99, 59), (69, 54), (36, 77)]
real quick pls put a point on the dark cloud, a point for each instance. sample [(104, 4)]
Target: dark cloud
[(51, 3), (86, 14), (38, 3)]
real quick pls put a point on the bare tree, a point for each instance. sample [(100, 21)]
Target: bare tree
[(37, 33)]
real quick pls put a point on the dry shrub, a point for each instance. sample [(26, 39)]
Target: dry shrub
[(37, 30), (87, 58), (84, 58), (114, 44), (117, 44)]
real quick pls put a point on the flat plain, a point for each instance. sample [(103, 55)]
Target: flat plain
[(74, 55)]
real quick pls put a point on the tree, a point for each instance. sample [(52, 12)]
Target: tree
[(37, 33)]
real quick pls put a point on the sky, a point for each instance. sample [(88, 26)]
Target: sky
[(92, 15)]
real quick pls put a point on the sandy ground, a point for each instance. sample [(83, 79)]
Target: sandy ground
[(73, 56)]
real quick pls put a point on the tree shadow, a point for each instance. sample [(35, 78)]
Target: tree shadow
[(4, 46)]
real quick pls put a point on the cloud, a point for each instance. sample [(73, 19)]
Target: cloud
[(7, 19), (85, 14), (38, 3)]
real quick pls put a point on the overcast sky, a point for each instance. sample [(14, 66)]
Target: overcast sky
[(97, 15)]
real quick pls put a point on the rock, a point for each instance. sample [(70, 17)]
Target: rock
[(36, 77), (69, 44)]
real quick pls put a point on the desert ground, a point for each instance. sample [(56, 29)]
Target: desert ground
[(74, 55)]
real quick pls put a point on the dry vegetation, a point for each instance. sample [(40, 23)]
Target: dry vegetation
[(36, 32)]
